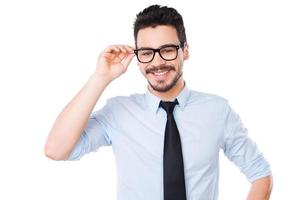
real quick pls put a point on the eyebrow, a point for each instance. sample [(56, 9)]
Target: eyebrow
[(165, 45)]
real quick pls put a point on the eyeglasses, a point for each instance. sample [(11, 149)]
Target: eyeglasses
[(166, 52)]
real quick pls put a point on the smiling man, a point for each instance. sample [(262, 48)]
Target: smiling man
[(166, 141)]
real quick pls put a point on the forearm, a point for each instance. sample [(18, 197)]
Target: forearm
[(71, 122), (261, 189)]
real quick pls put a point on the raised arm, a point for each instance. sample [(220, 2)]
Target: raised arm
[(70, 123)]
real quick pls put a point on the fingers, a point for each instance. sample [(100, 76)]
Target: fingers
[(119, 54), (117, 49), (127, 59)]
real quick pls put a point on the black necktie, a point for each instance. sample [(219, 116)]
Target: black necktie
[(174, 184)]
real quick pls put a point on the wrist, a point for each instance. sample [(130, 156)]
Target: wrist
[(103, 79)]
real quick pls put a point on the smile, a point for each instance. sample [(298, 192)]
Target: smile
[(160, 73)]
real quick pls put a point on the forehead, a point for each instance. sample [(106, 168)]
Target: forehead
[(155, 37)]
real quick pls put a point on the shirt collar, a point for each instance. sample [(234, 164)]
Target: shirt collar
[(153, 101)]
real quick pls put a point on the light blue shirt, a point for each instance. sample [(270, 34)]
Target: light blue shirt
[(134, 126)]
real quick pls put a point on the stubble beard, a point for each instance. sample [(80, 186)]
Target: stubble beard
[(166, 88)]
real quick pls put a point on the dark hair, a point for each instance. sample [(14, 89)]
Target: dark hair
[(160, 15)]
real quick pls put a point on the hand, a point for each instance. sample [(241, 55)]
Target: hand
[(114, 61)]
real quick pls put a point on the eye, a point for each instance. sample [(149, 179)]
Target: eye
[(146, 52), (168, 50)]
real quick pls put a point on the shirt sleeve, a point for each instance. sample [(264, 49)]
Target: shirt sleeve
[(241, 150), (95, 134)]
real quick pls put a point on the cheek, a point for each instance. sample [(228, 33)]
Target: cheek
[(177, 62), (181, 59), (142, 68)]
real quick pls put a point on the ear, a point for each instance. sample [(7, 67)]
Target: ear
[(186, 53)]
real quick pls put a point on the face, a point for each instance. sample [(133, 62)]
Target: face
[(161, 75)]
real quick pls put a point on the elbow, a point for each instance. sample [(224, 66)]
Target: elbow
[(53, 154)]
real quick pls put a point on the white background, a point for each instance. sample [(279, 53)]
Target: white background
[(245, 51)]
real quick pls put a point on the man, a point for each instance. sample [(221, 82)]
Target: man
[(166, 141)]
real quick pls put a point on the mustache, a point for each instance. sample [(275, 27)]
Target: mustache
[(161, 67)]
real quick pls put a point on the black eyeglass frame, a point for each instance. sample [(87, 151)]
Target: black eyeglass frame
[(158, 50)]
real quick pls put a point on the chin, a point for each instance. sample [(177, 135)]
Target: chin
[(161, 87)]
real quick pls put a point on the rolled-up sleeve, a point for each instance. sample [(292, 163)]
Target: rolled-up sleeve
[(241, 150), (95, 134)]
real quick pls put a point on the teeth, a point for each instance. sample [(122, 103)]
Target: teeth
[(160, 73)]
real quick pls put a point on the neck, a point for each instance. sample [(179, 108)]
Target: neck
[(171, 94)]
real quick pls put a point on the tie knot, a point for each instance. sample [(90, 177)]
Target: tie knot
[(168, 106)]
